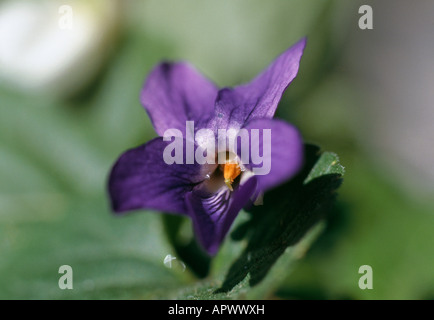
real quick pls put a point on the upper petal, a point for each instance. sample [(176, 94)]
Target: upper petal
[(282, 154), (141, 179), (260, 97), (213, 213), (177, 92)]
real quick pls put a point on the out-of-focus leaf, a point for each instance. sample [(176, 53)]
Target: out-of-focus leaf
[(382, 228), (110, 257)]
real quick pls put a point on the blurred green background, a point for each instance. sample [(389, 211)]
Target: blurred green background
[(69, 106)]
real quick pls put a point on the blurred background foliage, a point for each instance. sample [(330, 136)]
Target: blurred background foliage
[(63, 123)]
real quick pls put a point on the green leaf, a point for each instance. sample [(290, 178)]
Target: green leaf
[(287, 215)]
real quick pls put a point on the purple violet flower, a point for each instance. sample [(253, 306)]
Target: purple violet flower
[(210, 194)]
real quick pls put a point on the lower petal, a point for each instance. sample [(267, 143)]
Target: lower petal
[(213, 214)]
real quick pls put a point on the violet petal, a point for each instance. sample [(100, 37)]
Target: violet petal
[(141, 179), (260, 97), (286, 148), (177, 92)]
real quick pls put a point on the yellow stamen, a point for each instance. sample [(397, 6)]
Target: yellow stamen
[(230, 172), (228, 183)]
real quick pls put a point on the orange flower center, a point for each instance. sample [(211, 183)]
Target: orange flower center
[(230, 172)]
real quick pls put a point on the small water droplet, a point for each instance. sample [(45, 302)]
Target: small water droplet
[(207, 176), (220, 115), (171, 261), (168, 260)]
